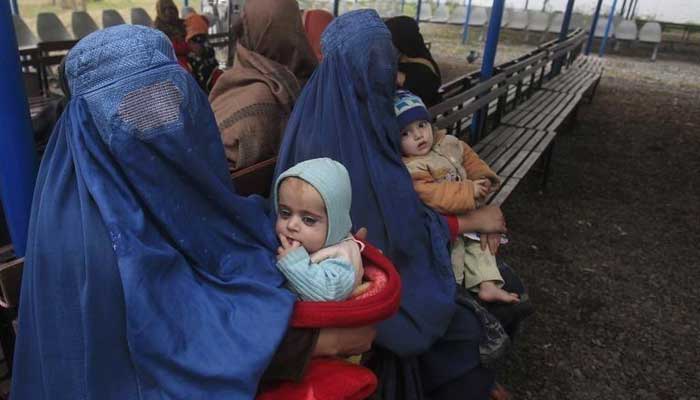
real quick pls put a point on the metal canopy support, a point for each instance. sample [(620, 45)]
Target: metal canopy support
[(594, 24), (624, 5), (465, 33), (420, 3), (611, 19), (18, 162), (336, 7), (562, 34), (487, 65), (186, 3), (632, 10), (15, 7)]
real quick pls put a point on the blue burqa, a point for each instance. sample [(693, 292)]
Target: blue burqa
[(346, 112), (146, 276)]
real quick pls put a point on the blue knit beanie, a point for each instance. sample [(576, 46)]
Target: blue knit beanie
[(331, 180), (409, 108)]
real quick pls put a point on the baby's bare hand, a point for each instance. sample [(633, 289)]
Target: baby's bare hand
[(288, 245)]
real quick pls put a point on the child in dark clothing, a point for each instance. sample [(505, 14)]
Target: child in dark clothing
[(201, 59)]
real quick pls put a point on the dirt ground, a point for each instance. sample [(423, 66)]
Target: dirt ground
[(609, 251)]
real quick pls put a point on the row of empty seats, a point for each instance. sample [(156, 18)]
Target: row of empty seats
[(50, 29), (535, 21), (385, 8), (627, 31)]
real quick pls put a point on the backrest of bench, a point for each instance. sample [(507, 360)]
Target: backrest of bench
[(454, 114)]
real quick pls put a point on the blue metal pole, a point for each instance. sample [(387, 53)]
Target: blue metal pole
[(15, 7), (336, 7), (186, 3), (611, 18), (489, 58), (418, 11), (594, 24), (18, 162), (564, 31), (465, 34)]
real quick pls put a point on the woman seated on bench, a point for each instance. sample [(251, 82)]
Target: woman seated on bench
[(346, 112), (418, 71), (253, 100), (141, 281), (168, 21)]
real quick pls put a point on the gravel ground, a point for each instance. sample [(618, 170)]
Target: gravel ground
[(610, 250)]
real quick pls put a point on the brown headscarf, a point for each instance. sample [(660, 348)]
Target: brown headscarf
[(173, 28), (253, 100), (273, 29)]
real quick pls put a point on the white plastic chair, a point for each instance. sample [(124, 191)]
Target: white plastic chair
[(426, 12), (111, 18), (518, 21), (555, 24), (441, 15), (25, 37), (50, 28), (538, 22), (600, 27), (625, 31), (82, 24), (651, 33), (458, 15), (139, 16)]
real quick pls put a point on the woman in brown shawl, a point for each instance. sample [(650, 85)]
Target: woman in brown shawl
[(253, 100), (168, 22)]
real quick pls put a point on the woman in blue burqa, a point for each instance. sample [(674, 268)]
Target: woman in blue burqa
[(146, 276), (430, 350)]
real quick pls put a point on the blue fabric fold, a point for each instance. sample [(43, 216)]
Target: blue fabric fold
[(146, 276)]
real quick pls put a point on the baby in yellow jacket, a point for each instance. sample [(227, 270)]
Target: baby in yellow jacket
[(451, 179)]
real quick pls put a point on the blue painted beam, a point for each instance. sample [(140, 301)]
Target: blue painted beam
[(15, 7), (18, 161), (487, 63), (611, 19), (418, 6), (594, 24), (562, 34), (336, 7), (465, 33)]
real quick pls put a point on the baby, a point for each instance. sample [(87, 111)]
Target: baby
[(450, 178), (319, 257)]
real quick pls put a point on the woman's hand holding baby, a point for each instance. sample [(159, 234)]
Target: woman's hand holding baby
[(482, 187)]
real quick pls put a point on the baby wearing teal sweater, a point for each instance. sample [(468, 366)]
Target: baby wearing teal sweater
[(319, 257)]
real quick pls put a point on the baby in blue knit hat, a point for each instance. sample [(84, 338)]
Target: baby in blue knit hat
[(451, 179), (319, 257)]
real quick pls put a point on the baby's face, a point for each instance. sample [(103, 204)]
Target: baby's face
[(417, 139), (301, 214)]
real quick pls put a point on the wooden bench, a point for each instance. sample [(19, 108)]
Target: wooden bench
[(255, 179), (522, 108)]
